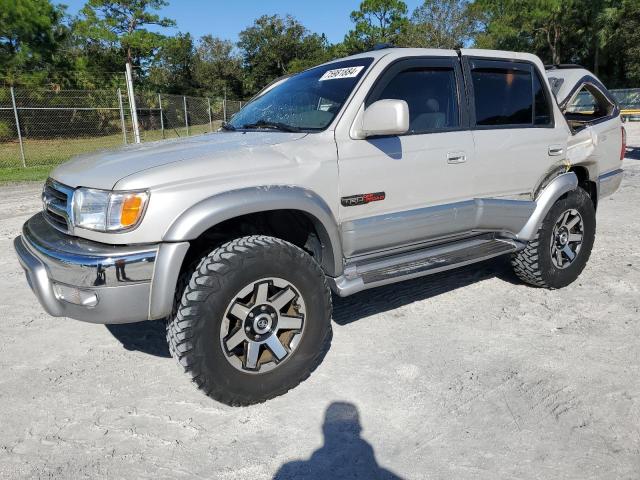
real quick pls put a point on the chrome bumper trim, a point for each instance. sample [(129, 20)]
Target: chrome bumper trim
[(609, 183), (83, 263), (89, 281), (114, 305)]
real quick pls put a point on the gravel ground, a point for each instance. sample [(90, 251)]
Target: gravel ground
[(468, 374)]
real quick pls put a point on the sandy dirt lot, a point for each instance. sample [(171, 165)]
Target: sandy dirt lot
[(468, 374)]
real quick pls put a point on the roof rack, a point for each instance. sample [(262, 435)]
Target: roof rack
[(562, 66), (382, 46)]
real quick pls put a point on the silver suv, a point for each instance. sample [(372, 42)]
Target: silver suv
[(361, 172)]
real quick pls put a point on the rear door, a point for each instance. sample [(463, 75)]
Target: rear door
[(514, 130)]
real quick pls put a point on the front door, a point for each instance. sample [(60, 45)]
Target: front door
[(399, 190)]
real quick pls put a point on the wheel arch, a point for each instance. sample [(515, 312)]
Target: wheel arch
[(245, 202), (556, 188)]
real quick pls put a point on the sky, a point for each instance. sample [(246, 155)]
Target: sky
[(225, 19)]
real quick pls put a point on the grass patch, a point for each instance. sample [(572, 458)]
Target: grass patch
[(42, 154), (21, 174)]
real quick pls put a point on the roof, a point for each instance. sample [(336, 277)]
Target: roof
[(439, 52)]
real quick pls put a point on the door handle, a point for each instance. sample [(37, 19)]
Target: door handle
[(555, 150), (456, 157)]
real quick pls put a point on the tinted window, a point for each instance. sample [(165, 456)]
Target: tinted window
[(502, 97), (309, 100), (431, 95), (542, 106)]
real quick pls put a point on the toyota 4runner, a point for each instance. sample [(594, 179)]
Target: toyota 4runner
[(364, 171)]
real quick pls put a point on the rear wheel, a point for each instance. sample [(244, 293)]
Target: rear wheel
[(253, 320), (562, 246)]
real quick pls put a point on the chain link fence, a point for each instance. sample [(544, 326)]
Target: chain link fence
[(47, 127), (629, 101)]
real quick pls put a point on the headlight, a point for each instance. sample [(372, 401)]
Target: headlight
[(107, 211)]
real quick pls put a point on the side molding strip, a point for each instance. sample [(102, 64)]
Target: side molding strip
[(557, 187)]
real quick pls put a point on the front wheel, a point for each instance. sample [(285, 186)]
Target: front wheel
[(562, 246), (253, 320)]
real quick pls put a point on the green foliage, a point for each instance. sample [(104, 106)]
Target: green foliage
[(218, 67), (274, 46), (376, 22), (30, 33), (40, 44), (121, 24), (441, 24)]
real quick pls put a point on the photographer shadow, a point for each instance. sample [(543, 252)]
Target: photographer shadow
[(344, 453)]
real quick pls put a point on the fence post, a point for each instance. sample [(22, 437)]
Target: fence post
[(132, 104), (186, 114), (161, 115), (224, 110), (15, 114), (209, 110), (122, 122)]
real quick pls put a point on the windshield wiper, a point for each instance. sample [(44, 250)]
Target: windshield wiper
[(271, 125), (228, 127)]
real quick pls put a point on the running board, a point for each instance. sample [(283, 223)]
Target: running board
[(364, 274)]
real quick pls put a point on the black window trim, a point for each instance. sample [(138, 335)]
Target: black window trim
[(592, 81), (469, 62), (406, 63)]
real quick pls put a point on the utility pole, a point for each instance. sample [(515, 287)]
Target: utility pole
[(132, 104)]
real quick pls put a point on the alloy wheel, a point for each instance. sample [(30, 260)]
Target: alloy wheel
[(566, 238), (263, 325)]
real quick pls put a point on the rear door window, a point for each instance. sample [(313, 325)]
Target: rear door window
[(508, 94)]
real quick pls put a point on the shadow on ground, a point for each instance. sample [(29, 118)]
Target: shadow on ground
[(149, 337), (344, 453)]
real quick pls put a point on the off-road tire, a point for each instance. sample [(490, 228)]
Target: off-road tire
[(534, 264), (204, 292)]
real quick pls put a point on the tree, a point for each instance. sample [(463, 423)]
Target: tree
[(31, 32), (121, 24), (376, 22), (541, 26), (172, 68), (217, 68), (441, 24), (274, 46)]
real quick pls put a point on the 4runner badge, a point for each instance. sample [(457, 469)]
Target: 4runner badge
[(362, 199)]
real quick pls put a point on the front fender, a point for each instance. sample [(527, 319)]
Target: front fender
[(550, 194), (227, 205)]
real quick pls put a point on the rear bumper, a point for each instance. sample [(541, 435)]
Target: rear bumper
[(94, 282), (609, 183)]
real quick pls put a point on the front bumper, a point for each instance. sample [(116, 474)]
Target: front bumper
[(95, 282)]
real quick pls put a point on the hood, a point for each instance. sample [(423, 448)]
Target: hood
[(104, 169)]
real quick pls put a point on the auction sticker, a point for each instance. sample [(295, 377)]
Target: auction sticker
[(338, 73)]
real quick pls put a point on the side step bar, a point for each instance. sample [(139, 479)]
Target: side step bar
[(364, 274)]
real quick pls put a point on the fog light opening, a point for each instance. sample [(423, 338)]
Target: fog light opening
[(86, 298)]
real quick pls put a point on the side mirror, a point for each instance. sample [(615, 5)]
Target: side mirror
[(386, 117)]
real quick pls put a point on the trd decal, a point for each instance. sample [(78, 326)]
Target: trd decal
[(362, 199)]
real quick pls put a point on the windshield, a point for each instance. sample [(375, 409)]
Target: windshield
[(307, 101)]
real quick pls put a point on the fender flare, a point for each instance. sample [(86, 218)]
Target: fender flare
[(234, 203), (560, 185)]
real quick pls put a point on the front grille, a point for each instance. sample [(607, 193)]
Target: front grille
[(56, 199)]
